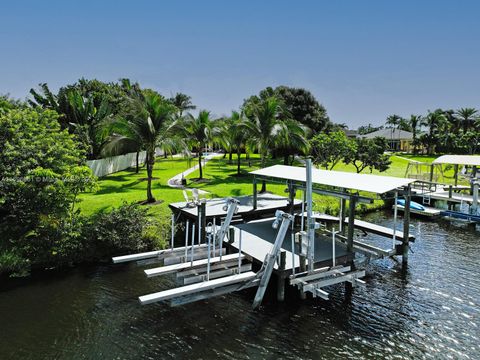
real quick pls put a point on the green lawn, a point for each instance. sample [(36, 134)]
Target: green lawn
[(221, 181)]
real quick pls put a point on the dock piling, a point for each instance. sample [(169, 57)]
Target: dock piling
[(281, 276), (406, 224)]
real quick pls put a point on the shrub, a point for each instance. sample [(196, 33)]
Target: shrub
[(125, 229)]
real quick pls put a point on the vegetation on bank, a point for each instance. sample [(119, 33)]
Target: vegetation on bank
[(54, 212)]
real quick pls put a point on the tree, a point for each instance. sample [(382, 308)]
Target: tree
[(146, 125), (415, 122), (183, 103), (197, 132), (368, 153), (467, 118), (393, 121), (265, 126), (234, 134), (300, 104), (433, 120), (328, 149), (367, 129), (41, 173), (292, 140)]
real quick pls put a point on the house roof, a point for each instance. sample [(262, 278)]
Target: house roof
[(363, 182), (390, 134), (472, 160)]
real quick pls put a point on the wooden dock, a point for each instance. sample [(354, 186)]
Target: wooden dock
[(267, 204), (366, 226)]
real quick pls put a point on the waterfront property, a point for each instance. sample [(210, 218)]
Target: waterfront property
[(225, 240)]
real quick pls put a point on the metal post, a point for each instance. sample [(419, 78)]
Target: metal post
[(187, 225), (193, 243), (239, 251), (302, 224), (293, 253), (173, 232), (343, 209), (310, 220), (254, 193), (395, 212), (214, 232), (406, 225), (351, 228), (333, 247), (208, 256), (281, 276), (203, 221)]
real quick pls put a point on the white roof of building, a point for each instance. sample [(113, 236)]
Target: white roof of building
[(472, 160), (363, 182), (389, 133)]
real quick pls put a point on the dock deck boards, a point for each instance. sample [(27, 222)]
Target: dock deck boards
[(366, 226), (258, 238), (265, 203), (456, 197)]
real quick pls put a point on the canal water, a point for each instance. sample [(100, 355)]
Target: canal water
[(430, 310)]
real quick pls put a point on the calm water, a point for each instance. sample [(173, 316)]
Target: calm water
[(432, 310)]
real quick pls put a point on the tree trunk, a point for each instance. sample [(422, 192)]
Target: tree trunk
[(230, 156), (285, 159), (137, 167), (150, 163), (238, 162), (200, 164)]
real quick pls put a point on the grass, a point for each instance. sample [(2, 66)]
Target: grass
[(221, 181)]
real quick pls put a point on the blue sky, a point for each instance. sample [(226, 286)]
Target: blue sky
[(363, 60)]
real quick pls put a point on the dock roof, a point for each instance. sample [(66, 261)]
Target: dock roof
[(472, 160), (363, 182)]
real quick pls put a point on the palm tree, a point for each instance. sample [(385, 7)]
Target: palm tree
[(415, 123), (265, 127), (145, 126), (393, 120), (467, 117), (235, 133), (292, 139), (434, 121), (183, 103), (197, 132)]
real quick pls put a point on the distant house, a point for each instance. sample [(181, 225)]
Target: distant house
[(352, 134), (398, 140)]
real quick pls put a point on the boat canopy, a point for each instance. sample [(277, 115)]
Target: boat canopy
[(472, 160), (376, 184)]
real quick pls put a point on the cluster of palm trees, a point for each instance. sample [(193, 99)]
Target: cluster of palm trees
[(150, 121), (452, 131)]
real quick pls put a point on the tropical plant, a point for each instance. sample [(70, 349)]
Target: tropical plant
[(197, 133), (300, 104), (467, 118), (415, 122), (368, 153), (328, 149), (434, 120), (393, 121), (183, 103)]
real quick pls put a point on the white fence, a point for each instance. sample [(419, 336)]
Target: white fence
[(110, 165)]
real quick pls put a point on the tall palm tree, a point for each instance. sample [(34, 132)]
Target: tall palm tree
[(183, 103), (434, 121), (146, 125), (197, 132), (415, 123), (234, 135), (265, 127), (467, 117)]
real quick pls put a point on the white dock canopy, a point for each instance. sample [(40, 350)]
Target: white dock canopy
[(363, 182), (472, 160)]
